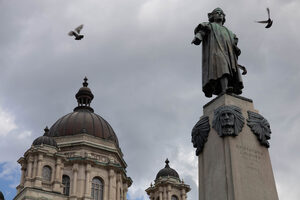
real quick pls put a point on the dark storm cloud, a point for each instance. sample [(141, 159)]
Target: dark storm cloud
[(145, 75)]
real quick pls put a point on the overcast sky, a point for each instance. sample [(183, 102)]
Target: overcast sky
[(146, 78)]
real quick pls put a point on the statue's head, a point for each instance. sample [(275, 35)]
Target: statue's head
[(228, 120), (216, 14)]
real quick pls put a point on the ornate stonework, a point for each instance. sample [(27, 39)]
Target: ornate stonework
[(260, 127), (200, 134), (228, 120), (168, 186), (75, 165)]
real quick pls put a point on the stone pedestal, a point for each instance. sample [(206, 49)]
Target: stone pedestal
[(234, 168)]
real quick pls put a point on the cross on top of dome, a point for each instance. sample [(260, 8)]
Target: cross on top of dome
[(46, 131), (85, 83), (167, 163)]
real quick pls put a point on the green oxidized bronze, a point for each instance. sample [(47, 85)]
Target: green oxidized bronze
[(220, 69)]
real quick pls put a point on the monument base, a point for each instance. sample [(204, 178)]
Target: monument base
[(234, 168)]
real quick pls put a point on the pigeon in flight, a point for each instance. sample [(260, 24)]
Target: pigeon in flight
[(76, 33), (269, 22)]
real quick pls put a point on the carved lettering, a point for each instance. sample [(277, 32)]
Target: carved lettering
[(94, 156), (251, 157)]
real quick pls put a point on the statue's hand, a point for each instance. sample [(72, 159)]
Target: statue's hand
[(237, 50), (196, 41)]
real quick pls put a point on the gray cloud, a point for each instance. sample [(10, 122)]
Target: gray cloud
[(145, 75)]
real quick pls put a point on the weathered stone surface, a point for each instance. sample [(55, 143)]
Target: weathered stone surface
[(234, 168)]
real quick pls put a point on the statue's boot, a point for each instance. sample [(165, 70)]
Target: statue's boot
[(229, 90)]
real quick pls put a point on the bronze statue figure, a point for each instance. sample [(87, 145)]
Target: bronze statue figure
[(220, 69)]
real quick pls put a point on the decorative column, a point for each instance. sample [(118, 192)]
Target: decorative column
[(122, 194), (23, 169), (112, 185), (29, 172), (87, 192), (118, 187), (57, 178), (34, 166), (160, 192), (121, 188), (38, 178), (168, 192), (21, 186), (74, 185), (125, 189), (165, 193), (183, 194)]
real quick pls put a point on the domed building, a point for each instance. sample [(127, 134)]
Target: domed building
[(77, 158), (1, 196), (168, 186)]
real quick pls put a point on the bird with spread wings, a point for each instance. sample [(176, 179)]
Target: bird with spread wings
[(269, 22), (76, 33)]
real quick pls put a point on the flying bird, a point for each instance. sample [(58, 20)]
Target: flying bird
[(76, 33), (269, 22)]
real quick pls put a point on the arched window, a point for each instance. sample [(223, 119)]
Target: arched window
[(174, 197), (66, 184), (47, 173), (97, 189)]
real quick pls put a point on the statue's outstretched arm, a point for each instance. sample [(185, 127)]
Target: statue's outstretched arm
[(200, 31)]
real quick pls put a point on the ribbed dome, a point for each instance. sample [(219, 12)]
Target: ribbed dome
[(167, 171), (83, 120), (1, 196), (45, 140)]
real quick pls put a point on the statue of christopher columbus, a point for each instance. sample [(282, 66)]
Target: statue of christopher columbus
[(220, 69)]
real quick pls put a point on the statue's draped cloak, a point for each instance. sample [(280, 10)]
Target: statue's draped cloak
[(219, 59)]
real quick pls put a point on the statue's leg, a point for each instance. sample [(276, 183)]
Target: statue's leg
[(224, 85)]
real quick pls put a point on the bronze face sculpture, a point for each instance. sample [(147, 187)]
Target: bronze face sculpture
[(228, 120)]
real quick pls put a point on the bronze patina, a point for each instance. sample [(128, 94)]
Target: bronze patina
[(220, 69), (228, 120)]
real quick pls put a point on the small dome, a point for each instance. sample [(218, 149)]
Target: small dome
[(84, 96), (45, 140), (167, 171), (1, 196), (83, 120)]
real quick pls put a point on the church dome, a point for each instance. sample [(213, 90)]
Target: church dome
[(1, 196), (167, 171), (45, 140), (83, 120)]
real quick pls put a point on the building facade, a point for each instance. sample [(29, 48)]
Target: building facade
[(168, 186), (78, 158)]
